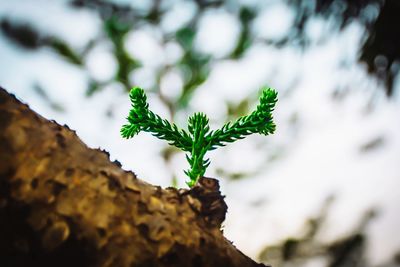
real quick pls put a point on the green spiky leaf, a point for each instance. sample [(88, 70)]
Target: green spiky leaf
[(199, 139)]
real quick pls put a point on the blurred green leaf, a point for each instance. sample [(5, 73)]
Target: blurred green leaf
[(64, 50), (116, 29), (239, 110), (246, 17), (185, 37), (41, 92), (21, 34)]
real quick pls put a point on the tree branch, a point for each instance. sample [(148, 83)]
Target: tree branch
[(64, 204)]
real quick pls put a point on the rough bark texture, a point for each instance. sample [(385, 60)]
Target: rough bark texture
[(64, 204)]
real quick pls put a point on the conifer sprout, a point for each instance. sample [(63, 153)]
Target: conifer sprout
[(199, 138)]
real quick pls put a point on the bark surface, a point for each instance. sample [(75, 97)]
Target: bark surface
[(64, 204)]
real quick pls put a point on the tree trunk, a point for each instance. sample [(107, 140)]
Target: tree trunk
[(64, 204)]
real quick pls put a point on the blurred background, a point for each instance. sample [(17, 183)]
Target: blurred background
[(321, 191)]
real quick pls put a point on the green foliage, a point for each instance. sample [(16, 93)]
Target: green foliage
[(246, 17), (199, 139)]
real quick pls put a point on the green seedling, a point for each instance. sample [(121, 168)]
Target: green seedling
[(199, 138)]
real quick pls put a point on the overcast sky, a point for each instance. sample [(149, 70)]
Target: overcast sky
[(317, 150)]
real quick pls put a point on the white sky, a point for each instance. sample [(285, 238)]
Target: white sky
[(319, 155)]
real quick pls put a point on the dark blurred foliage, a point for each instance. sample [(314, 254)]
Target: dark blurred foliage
[(246, 16), (346, 251), (373, 144), (379, 50), (193, 65), (29, 38), (44, 96)]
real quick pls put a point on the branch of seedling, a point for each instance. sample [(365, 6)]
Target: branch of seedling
[(199, 138)]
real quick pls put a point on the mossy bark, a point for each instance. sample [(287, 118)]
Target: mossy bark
[(64, 204)]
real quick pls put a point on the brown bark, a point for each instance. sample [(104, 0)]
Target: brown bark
[(64, 204)]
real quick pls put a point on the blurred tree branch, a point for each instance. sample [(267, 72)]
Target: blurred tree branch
[(377, 50)]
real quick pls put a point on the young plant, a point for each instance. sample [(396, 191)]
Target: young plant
[(199, 139)]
